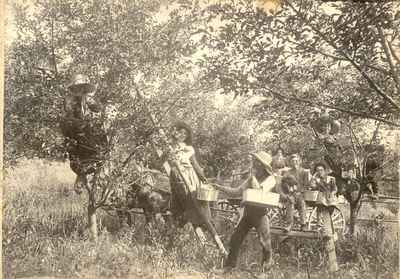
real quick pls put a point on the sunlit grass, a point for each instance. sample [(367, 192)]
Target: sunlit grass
[(44, 233)]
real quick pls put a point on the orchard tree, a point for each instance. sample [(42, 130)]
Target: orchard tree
[(140, 57), (128, 52), (340, 56)]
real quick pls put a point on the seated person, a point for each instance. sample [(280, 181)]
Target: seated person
[(278, 161), (292, 198), (326, 187)]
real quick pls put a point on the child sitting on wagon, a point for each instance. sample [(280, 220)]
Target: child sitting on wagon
[(292, 198), (295, 180), (326, 187)]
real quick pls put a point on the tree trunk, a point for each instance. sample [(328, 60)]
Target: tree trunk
[(92, 219), (353, 216)]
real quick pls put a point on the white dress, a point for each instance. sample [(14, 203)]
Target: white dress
[(182, 154)]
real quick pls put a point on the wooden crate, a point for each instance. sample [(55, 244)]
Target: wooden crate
[(207, 193), (310, 195), (260, 198)]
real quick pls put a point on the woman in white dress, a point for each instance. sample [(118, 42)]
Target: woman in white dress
[(185, 179)]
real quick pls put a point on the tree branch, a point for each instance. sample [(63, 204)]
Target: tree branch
[(321, 104), (104, 198), (375, 134), (166, 165), (309, 47), (332, 44), (338, 58), (372, 83), (393, 53), (389, 58), (53, 54), (353, 146)]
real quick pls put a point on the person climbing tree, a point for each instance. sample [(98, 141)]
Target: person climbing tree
[(372, 165), (82, 127), (326, 130)]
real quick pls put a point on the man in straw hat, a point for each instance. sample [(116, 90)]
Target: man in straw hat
[(261, 175), (84, 136)]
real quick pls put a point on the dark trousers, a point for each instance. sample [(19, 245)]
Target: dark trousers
[(252, 217), (298, 204), (374, 186)]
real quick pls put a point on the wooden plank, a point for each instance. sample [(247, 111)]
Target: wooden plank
[(223, 210), (301, 234), (373, 220), (382, 199), (379, 202), (388, 197), (330, 243)]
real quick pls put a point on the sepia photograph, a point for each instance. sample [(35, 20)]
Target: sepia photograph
[(200, 139)]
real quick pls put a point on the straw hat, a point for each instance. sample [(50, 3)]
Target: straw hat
[(265, 159), (80, 80)]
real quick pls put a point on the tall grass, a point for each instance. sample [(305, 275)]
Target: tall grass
[(44, 233)]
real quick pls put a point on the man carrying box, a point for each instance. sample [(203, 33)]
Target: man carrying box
[(261, 175)]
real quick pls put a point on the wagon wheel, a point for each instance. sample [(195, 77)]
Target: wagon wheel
[(338, 221), (226, 205), (228, 211)]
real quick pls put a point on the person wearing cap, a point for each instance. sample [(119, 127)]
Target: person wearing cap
[(83, 132), (294, 182), (79, 101), (261, 174)]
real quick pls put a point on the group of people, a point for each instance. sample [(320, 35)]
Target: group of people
[(265, 172), (186, 175)]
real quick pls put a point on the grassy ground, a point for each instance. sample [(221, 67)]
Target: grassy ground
[(44, 235)]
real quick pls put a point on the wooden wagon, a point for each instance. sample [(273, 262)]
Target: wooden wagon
[(230, 209)]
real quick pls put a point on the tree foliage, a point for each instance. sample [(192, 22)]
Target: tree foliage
[(309, 54), (128, 50)]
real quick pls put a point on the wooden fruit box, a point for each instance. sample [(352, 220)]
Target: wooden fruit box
[(258, 197), (207, 193), (310, 195)]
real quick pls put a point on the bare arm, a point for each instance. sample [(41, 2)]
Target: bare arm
[(93, 104), (313, 183), (233, 191), (197, 168), (333, 185)]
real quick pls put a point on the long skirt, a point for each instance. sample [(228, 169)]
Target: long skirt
[(184, 203)]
